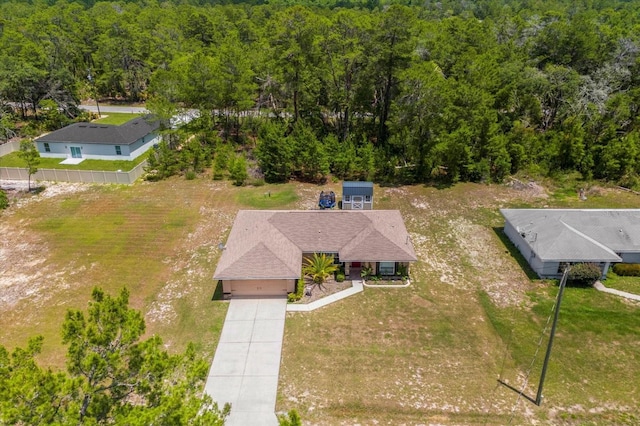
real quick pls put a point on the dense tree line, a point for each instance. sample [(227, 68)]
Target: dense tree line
[(112, 377), (449, 90)]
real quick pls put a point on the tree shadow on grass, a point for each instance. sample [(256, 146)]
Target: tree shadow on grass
[(515, 253), (218, 293)]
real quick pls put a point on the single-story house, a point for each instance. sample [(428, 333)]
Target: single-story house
[(101, 141), (549, 239), (264, 253), (357, 195)]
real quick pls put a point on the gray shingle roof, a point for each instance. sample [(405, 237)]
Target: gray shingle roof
[(357, 188), (269, 244), (108, 134), (578, 234)]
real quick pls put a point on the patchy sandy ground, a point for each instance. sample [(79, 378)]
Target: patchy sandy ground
[(24, 272), (198, 251)]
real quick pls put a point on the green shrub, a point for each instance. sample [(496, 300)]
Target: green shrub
[(627, 269), (256, 182), (365, 272), (4, 201), (297, 295), (190, 175), (340, 277), (584, 274)]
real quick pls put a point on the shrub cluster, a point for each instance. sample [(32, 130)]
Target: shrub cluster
[(4, 201), (294, 297), (584, 274), (627, 269)]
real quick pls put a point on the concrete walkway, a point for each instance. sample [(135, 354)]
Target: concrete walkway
[(600, 287), (307, 307), (247, 361)]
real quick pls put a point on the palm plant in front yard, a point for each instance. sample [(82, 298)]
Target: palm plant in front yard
[(319, 268)]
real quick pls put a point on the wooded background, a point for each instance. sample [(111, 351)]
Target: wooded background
[(393, 91)]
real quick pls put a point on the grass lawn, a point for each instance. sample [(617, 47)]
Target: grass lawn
[(266, 197), (629, 284), (116, 118), (12, 160), (427, 354)]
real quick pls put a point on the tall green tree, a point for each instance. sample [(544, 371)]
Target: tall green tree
[(30, 394), (30, 155), (116, 373), (275, 153)]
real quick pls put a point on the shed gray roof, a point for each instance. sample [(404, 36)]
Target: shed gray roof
[(268, 244), (108, 134), (578, 235), (357, 188)]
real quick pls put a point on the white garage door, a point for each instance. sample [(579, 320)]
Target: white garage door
[(259, 287)]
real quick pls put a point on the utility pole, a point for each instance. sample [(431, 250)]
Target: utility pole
[(563, 282)]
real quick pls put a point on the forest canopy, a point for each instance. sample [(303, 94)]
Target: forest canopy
[(449, 90)]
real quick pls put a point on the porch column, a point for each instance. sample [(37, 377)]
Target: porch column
[(605, 269)]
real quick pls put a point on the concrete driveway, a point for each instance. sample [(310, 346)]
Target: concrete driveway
[(247, 361)]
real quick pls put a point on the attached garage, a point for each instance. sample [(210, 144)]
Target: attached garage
[(258, 287), (263, 256)]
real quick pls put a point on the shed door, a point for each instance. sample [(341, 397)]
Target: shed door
[(357, 203), (259, 287)]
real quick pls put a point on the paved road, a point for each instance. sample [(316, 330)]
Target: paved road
[(246, 365), (114, 108)]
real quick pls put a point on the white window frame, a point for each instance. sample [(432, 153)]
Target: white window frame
[(367, 198), (347, 198)]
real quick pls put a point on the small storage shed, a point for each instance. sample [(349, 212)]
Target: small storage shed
[(357, 195)]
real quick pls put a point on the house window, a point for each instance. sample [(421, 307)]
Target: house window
[(347, 198), (387, 268), (367, 198), (118, 150), (47, 148)]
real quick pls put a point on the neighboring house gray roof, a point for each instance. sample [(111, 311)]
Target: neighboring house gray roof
[(108, 134), (572, 235), (357, 188), (268, 244)]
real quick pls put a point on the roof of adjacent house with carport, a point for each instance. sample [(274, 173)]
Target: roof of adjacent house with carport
[(107, 134), (570, 235), (269, 244)]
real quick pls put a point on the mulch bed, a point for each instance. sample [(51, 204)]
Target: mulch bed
[(318, 292)]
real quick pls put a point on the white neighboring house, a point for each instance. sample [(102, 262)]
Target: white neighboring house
[(549, 239), (101, 141)]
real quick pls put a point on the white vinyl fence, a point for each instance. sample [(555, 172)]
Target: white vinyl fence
[(66, 175), (9, 147)]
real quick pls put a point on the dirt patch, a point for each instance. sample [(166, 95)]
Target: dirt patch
[(25, 272), (529, 189)]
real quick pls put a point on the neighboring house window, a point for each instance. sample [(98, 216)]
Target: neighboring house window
[(347, 198), (118, 150), (47, 148), (367, 198), (387, 268)]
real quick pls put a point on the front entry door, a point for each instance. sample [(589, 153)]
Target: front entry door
[(75, 152), (357, 203)]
